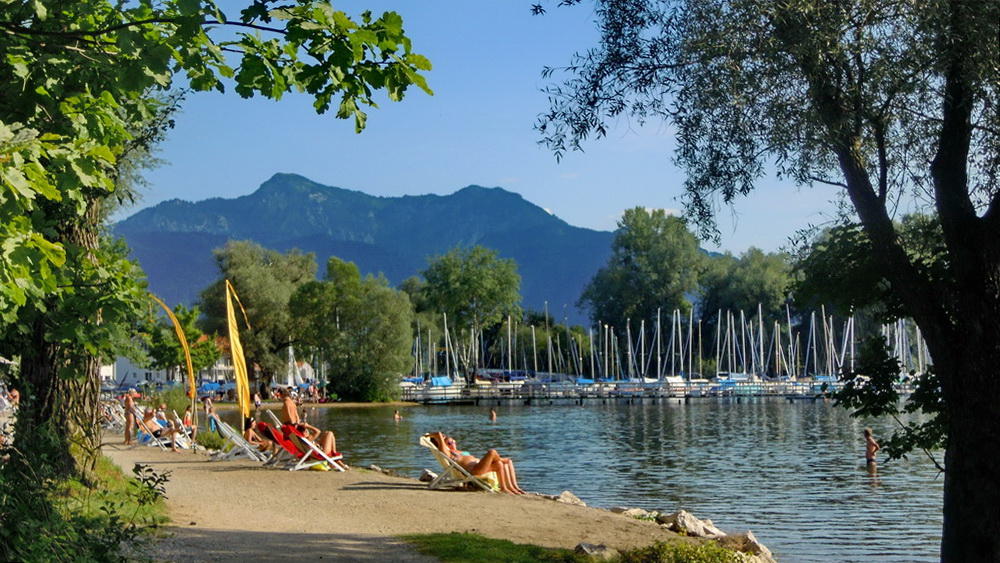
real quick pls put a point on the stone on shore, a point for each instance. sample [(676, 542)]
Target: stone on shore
[(683, 522), (564, 497), (746, 543), (637, 513), (569, 498), (599, 552)]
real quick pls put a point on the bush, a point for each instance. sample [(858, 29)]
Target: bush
[(174, 397), (50, 519), (208, 439), (680, 552)]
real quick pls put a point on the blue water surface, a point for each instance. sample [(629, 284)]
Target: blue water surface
[(793, 473)]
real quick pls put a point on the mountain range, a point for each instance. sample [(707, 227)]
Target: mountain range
[(396, 236)]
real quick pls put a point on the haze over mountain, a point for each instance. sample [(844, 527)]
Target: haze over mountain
[(174, 240)]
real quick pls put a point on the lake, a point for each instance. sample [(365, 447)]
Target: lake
[(793, 473)]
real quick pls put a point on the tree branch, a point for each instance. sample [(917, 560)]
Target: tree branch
[(819, 180), (949, 168), (88, 35)]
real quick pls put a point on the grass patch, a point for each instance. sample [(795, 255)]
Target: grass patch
[(473, 548), (459, 547), (113, 496), (680, 552), (46, 518)]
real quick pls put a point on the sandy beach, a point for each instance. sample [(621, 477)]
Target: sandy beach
[(233, 511)]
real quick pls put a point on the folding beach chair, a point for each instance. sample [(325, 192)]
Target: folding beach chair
[(236, 445), (145, 434), (113, 416), (284, 452), (292, 455), (455, 476), (184, 432)]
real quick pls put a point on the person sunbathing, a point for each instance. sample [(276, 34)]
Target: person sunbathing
[(502, 466), (290, 420), (250, 435), (322, 438), (160, 430)]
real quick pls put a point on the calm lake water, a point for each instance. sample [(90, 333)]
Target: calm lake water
[(793, 473)]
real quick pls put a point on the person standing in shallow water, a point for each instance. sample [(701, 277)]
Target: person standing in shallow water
[(493, 414), (871, 447)]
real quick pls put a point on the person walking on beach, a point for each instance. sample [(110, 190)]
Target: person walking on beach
[(129, 415), (871, 446)]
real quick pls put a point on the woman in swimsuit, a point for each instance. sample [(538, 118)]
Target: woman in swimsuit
[(502, 466)]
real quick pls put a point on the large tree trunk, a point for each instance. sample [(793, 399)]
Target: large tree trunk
[(58, 423), (62, 409), (971, 382)]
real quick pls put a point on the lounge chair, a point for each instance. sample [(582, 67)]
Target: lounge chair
[(145, 434), (184, 431), (293, 456), (454, 476), (236, 445), (113, 414)]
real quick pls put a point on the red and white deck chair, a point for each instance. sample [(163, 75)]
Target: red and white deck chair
[(303, 456)]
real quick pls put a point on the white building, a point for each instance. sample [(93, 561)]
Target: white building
[(124, 374)]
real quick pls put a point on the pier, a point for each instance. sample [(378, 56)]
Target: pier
[(531, 393)]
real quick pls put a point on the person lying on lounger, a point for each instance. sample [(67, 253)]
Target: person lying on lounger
[(503, 466), (250, 435), (322, 438), (159, 430), (290, 418)]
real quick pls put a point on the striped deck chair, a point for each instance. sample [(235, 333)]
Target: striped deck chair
[(299, 457), (236, 445), (454, 476)]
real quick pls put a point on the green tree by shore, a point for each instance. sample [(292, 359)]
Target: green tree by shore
[(476, 289), (360, 330)]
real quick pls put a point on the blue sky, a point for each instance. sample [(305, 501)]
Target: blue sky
[(488, 56)]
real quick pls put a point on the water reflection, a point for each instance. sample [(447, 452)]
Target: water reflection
[(794, 473)]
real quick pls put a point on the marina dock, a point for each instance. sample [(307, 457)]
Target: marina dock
[(634, 393)]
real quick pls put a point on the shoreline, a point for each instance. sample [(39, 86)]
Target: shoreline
[(233, 511)]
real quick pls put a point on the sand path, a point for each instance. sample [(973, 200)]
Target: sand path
[(233, 511)]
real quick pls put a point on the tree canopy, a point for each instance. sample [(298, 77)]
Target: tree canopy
[(264, 280), (85, 86), (755, 280), (81, 82), (655, 262), (165, 350), (360, 329), (475, 288), (887, 102)]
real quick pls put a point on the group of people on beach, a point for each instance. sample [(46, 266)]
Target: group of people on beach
[(156, 422), (295, 429)]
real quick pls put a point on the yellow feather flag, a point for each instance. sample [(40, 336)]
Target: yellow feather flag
[(184, 345), (239, 361)]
